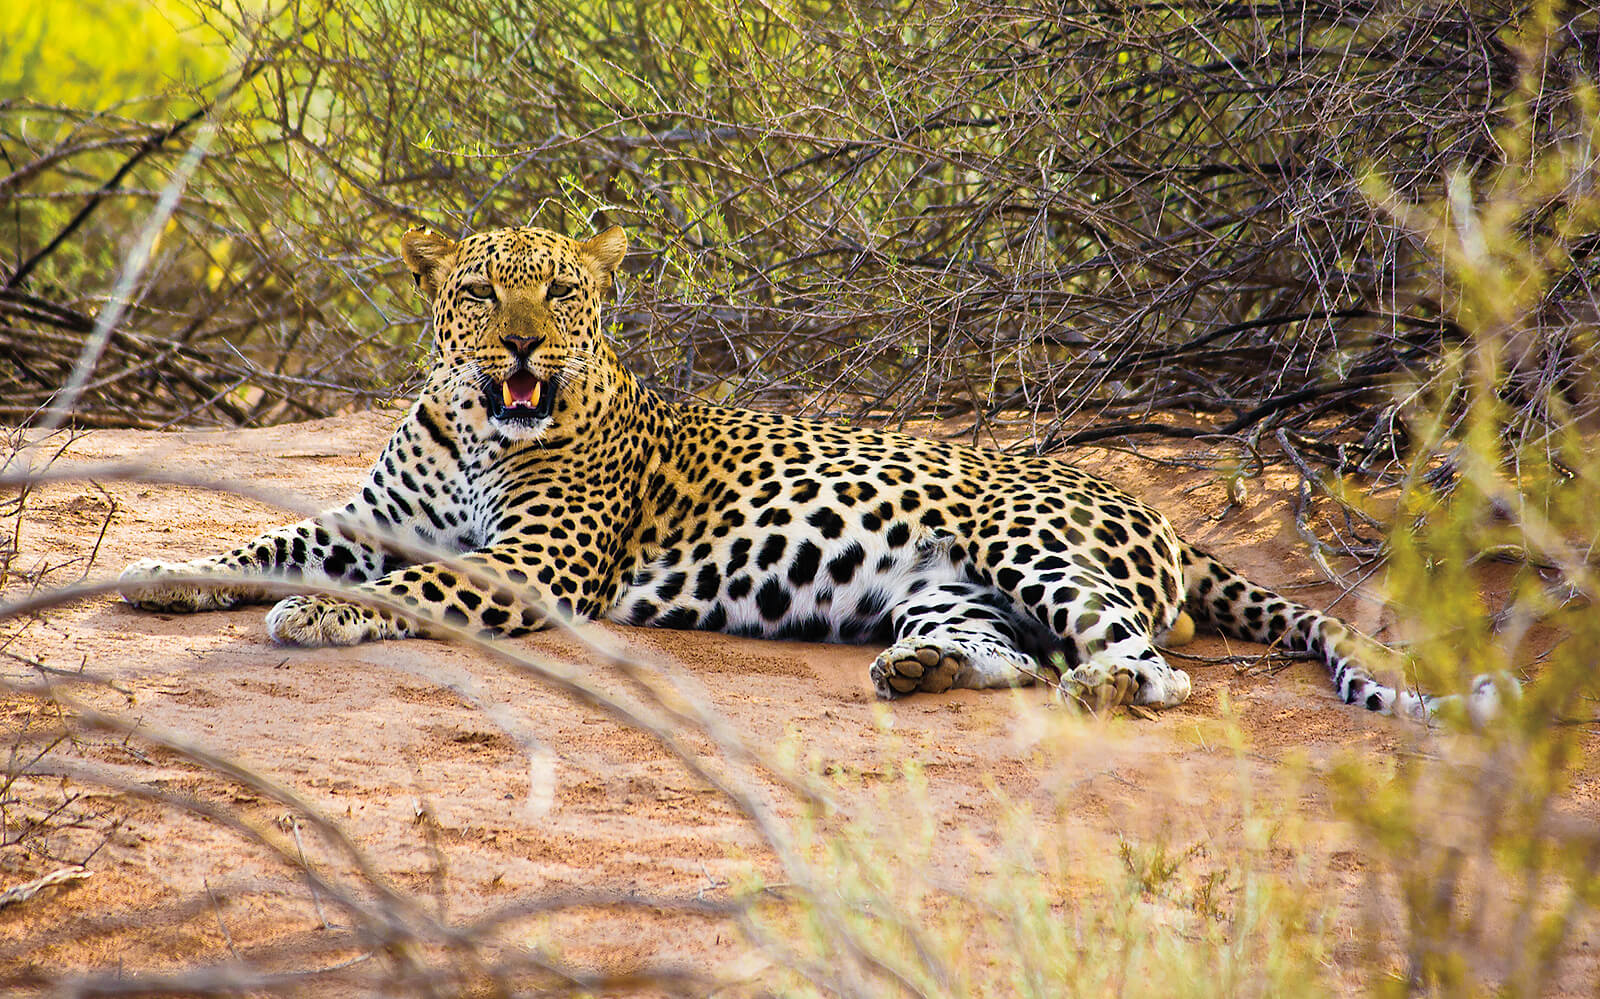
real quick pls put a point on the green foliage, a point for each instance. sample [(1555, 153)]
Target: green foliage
[(1492, 564), (103, 54)]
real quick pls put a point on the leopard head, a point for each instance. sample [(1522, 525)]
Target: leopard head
[(517, 321)]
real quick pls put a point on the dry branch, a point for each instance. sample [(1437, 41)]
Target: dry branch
[(30, 889), (1099, 216)]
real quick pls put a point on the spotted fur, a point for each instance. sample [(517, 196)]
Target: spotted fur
[(580, 492)]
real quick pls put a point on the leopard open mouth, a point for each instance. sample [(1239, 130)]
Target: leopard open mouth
[(521, 398)]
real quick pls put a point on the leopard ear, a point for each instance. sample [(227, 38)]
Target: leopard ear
[(606, 249), (430, 257)]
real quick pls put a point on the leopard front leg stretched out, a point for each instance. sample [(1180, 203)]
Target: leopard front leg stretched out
[(342, 545), (488, 592), (321, 548)]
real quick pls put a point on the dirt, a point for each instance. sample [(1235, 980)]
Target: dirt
[(468, 785)]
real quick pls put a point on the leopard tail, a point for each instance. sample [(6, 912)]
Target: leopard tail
[(1227, 602)]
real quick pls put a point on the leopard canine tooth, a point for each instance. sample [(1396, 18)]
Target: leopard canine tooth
[(505, 394), (533, 399)]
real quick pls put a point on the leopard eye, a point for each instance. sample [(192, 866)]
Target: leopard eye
[(483, 291), (559, 289)]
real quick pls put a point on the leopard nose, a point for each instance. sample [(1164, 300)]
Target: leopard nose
[(520, 345)]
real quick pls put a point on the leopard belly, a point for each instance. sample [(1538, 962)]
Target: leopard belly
[(796, 585)]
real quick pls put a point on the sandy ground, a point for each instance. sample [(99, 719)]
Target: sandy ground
[(422, 751)]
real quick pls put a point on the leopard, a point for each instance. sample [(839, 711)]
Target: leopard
[(567, 489)]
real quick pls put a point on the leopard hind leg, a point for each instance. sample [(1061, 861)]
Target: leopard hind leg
[(1109, 632), (961, 634)]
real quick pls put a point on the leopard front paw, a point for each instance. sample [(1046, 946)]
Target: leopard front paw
[(906, 667), (149, 585), (314, 620)]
